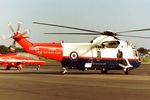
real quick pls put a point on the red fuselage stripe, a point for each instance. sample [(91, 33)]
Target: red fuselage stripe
[(101, 58)]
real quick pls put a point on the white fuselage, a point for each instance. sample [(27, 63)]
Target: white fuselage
[(96, 50)]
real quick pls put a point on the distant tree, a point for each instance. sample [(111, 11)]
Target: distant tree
[(142, 50), (19, 50), (4, 49)]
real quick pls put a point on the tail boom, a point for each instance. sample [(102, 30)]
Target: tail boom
[(48, 50)]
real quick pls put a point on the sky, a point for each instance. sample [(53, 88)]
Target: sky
[(100, 15)]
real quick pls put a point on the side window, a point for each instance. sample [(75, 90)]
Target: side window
[(110, 44), (98, 53), (135, 54)]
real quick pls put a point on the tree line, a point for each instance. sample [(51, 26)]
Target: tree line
[(4, 49), (143, 51)]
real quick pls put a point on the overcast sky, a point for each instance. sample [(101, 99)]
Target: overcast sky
[(101, 15)]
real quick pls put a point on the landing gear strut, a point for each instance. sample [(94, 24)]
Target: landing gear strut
[(64, 70)]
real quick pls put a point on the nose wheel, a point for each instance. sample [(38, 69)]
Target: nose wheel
[(104, 71), (126, 71)]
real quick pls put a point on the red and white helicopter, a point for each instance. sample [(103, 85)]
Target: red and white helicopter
[(105, 52), (19, 60)]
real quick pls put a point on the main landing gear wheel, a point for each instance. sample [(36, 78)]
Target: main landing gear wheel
[(104, 71), (7, 68), (64, 71), (126, 71)]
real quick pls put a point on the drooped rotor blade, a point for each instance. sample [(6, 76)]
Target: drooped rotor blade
[(4, 37), (18, 26), (11, 28), (138, 30), (69, 27), (75, 33), (134, 36)]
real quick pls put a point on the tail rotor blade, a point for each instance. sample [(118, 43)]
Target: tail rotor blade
[(26, 32), (29, 31), (18, 26), (11, 28)]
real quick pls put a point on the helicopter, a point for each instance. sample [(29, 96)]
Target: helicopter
[(105, 52)]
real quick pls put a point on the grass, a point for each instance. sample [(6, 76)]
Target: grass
[(145, 59), (49, 61)]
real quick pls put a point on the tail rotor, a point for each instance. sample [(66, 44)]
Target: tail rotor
[(12, 48)]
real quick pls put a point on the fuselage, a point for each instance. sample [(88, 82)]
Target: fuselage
[(103, 52)]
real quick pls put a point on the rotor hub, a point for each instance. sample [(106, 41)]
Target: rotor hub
[(109, 33), (17, 35)]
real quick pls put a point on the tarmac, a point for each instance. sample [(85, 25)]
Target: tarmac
[(49, 84)]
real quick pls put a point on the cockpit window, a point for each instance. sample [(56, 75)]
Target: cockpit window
[(110, 44)]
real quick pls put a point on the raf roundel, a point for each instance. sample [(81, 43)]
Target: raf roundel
[(73, 56)]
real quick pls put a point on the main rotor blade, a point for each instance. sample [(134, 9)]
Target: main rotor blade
[(69, 27), (134, 36), (75, 33), (146, 29), (96, 34)]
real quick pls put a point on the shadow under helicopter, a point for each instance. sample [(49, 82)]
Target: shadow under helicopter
[(70, 72), (55, 69)]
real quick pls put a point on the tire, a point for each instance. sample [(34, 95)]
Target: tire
[(126, 71), (104, 71), (7, 68)]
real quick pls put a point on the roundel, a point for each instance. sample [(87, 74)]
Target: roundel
[(73, 55)]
